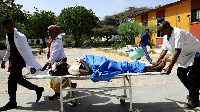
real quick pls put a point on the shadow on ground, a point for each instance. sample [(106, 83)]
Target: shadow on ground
[(96, 103)]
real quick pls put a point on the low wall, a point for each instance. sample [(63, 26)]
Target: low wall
[(2, 53)]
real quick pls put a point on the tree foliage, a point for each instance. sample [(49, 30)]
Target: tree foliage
[(105, 30), (37, 24), (6, 12), (129, 31), (77, 21)]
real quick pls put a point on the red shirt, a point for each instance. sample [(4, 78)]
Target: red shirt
[(16, 62)]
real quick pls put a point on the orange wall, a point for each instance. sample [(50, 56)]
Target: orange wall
[(159, 41), (152, 22), (195, 29), (138, 20), (170, 15), (183, 10)]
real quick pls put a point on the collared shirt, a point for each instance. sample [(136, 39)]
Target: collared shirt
[(16, 62), (56, 51), (144, 40), (189, 45)]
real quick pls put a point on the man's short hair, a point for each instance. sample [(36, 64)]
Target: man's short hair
[(166, 24), (7, 21), (147, 30)]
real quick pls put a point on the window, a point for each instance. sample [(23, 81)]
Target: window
[(32, 41), (159, 20), (144, 23), (195, 15)]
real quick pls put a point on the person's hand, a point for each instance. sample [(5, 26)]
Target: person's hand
[(3, 64), (49, 66), (33, 70), (41, 51), (45, 66), (78, 59), (168, 70)]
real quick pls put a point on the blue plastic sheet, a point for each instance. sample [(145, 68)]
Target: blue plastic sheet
[(105, 69)]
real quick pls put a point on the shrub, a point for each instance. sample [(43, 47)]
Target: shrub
[(3, 45), (152, 51), (167, 57)]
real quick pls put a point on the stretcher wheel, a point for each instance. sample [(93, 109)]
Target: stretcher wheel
[(73, 102), (122, 101), (62, 111)]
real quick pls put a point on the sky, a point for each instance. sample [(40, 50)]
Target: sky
[(101, 8)]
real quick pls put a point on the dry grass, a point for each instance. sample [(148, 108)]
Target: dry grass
[(113, 52)]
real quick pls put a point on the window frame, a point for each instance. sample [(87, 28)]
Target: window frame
[(195, 15)]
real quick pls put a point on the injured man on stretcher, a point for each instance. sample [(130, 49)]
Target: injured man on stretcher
[(101, 68)]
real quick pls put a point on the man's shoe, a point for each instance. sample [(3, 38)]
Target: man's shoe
[(39, 93), (191, 105), (9, 106)]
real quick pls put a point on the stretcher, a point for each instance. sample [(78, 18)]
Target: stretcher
[(92, 91)]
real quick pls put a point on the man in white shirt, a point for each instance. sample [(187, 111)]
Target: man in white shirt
[(185, 49), (19, 55)]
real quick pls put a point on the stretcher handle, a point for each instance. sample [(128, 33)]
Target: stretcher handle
[(25, 75)]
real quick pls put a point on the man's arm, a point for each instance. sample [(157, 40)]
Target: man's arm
[(162, 55), (88, 69), (149, 45), (173, 61)]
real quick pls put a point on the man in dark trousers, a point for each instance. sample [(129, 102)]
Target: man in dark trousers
[(185, 49), (19, 55), (143, 43)]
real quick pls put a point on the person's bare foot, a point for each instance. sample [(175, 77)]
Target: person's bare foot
[(161, 66)]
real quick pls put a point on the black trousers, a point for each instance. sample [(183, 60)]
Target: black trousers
[(190, 77), (15, 78)]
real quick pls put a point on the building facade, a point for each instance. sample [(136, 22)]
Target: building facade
[(184, 14)]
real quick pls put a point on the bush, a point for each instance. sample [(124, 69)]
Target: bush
[(118, 44), (152, 51), (3, 45), (167, 57)]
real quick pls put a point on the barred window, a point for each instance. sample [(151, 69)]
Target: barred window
[(195, 15)]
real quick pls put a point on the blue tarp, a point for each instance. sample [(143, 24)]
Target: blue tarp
[(105, 69)]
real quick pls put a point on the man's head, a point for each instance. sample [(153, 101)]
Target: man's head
[(7, 24), (165, 28), (54, 31), (147, 31)]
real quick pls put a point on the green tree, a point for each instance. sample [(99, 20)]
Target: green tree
[(77, 21), (129, 31), (105, 30), (38, 23), (6, 12)]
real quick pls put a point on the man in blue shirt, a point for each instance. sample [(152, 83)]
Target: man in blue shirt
[(143, 43)]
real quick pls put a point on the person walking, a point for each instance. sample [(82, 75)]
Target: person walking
[(185, 49), (19, 55), (143, 43)]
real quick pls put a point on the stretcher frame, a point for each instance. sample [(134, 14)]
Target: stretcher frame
[(73, 100)]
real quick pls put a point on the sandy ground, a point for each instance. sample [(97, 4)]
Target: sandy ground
[(71, 54)]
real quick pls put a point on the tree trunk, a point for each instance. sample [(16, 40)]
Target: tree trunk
[(44, 44)]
